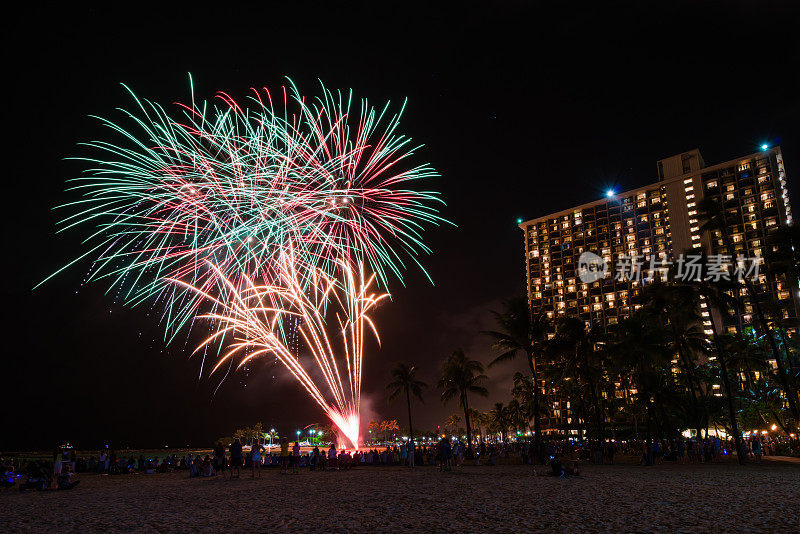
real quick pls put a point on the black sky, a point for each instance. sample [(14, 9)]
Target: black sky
[(524, 110)]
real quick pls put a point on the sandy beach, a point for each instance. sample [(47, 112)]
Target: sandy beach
[(665, 498)]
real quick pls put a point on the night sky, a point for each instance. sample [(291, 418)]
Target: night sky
[(523, 110)]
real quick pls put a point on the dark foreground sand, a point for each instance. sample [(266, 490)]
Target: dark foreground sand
[(668, 498)]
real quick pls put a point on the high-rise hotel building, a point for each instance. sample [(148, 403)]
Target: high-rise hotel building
[(660, 219)]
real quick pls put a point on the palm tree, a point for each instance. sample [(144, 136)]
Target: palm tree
[(480, 420), (517, 416), (500, 419), (714, 217), (579, 360), (643, 353), (718, 299), (461, 376), (374, 427), (520, 332), (452, 422), (524, 396), (387, 426), (405, 381), (678, 307), (783, 255)]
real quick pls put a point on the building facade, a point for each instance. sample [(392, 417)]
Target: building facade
[(654, 226)]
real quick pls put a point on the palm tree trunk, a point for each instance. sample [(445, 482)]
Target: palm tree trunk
[(751, 294), (789, 360), (466, 420), (598, 412), (537, 426), (649, 436), (737, 439), (782, 375), (410, 426), (687, 369)]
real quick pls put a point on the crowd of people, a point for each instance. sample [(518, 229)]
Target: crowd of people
[(290, 458), (445, 455), (41, 475), (692, 451)]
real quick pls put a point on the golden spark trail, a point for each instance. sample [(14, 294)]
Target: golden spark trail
[(252, 319)]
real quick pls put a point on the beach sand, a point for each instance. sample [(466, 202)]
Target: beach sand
[(628, 498)]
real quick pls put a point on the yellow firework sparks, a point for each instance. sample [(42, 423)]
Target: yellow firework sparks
[(251, 318)]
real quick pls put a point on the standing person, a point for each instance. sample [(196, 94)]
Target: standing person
[(456, 452), (680, 450), (296, 458), (101, 463), (219, 458), (757, 449), (56, 462), (111, 463), (284, 456), (236, 457), (257, 450), (332, 456), (410, 448), (448, 455)]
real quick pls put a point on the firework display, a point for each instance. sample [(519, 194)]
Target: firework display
[(247, 215), (252, 317)]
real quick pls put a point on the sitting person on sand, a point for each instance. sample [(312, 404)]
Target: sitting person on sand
[(164, 467), (63, 481), (208, 467), (556, 468), (9, 475)]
